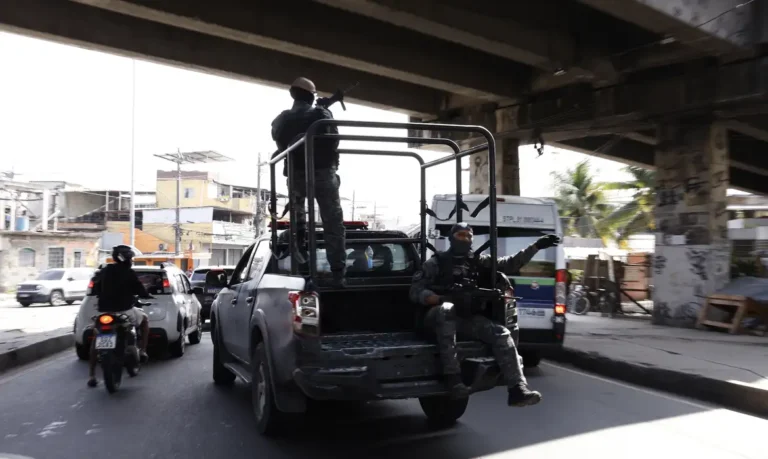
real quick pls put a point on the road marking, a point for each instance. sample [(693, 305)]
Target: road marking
[(639, 389)]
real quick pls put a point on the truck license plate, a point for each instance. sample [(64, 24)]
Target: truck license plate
[(106, 341)]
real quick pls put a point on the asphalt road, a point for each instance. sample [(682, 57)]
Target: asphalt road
[(172, 410)]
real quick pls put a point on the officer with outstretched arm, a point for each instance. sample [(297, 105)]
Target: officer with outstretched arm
[(439, 274)]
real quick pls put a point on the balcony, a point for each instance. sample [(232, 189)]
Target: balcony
[(233, 233)]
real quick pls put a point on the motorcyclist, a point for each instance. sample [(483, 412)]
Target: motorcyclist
[(116, 287), (289, 127), (441, 272)]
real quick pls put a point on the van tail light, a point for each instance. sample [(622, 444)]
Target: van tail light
[(561, 277), (166, 286), (306, 312), (89, 291)]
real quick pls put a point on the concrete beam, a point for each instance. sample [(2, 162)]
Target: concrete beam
[(542, 47), (715, 27), (313, 31), (626, 107), (102, 30)]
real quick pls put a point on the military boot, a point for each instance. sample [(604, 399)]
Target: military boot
[(456, 386), (520, 395)]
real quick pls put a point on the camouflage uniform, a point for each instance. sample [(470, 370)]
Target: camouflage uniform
[(288, 128), (436, 275)]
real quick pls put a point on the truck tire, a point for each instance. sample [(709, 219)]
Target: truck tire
[(221, 375), (442, 411), (269, 420)]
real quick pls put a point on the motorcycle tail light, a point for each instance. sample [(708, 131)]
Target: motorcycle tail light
[(106, 320)]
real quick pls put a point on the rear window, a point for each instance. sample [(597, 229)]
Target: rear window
[(513, 240), (199, 275), (368, 260), (152, 281)]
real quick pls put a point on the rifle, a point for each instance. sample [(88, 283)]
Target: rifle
[(337, 96)]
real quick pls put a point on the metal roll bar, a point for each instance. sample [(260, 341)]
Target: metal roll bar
[(308, 141)]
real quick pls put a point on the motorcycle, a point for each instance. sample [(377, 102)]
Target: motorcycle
[(117, 347)]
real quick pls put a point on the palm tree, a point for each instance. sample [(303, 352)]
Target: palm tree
[(581, 202), (635, 216)]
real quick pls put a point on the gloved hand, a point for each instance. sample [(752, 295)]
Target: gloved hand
[(323, 102), (545, 242)]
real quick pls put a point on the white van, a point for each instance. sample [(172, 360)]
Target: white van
[(540, 283)]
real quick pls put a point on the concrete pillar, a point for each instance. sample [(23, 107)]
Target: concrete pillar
[(507, 168), (692, 258), (2, 214)]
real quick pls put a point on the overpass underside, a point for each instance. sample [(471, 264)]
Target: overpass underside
[(675, 85)]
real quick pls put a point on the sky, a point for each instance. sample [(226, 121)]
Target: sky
[(66, 114)]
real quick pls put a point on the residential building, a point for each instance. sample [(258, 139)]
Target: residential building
[(24, 254)]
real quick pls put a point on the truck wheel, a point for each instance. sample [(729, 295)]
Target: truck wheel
[(443, 411), (269, 420), (531, 359), (221, 375), (83, 351), (25, 304)]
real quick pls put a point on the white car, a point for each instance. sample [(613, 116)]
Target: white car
[(174, 313), (55, 286)]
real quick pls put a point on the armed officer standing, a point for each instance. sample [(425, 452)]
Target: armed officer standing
[(289, 127), (439, 274)]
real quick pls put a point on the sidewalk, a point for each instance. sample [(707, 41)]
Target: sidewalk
[(28, 334), (731, 370)]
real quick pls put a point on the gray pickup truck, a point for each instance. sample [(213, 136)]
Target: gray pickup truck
[(297, 343)]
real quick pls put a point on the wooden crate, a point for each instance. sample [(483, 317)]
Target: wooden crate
[(740, 306)]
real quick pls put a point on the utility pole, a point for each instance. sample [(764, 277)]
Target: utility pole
[(133, 153), (177, 226), (353, 205), (259, 203), (187, 158)]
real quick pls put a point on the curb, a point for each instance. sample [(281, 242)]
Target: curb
[(740, 397), (35, 351)]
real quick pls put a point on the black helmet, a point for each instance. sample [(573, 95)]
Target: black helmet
[(122, 254)]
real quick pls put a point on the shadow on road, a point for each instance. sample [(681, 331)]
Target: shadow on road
[(399, 429)]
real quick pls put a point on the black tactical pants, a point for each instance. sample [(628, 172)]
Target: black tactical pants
[(328, 200), (443, 320)]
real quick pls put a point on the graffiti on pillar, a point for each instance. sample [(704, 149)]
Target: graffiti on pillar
[(698, 261), (478, 182)]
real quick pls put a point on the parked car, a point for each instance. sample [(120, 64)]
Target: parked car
[(55, 286), (174, 314), (198, 280)]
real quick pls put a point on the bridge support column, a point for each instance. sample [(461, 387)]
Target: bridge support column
[(692, 257), (507, 167)]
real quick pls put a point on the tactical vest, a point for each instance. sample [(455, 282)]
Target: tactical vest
[(452, 273)]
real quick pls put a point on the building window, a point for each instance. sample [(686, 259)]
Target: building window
[(26, 258), (189, 193), (77, 259), (55, 257)]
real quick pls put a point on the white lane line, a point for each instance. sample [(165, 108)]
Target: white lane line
[(639, 389), (26, 369)]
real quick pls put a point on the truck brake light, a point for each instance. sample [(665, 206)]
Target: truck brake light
[(306, 311), (561, 276)]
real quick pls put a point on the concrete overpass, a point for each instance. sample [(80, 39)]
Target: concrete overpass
[(679, 85)]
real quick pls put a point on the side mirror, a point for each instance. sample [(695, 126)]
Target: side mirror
[(215, 280), (197, 290)]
